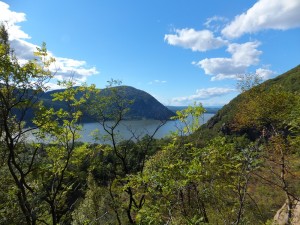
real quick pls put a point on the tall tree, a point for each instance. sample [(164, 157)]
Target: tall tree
[(20, 88), (272, 114), (109, 111), (59, 171)]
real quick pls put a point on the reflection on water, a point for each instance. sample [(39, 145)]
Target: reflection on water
[(131, 129), (136, 128)]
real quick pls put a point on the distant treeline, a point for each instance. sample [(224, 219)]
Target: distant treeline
[(208, 109)]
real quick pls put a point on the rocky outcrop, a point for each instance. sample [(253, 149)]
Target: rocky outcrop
[(281, 217)]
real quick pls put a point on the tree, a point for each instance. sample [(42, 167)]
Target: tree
[(59, 170), (95, 207), (169, 196), (43, 173), (223, 171), (294, 124), (247, 81), (190, 119), (269, 112), (186, 184), (265, 109), (109, 110), (20, 89)]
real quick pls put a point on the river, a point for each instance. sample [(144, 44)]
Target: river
[(128, 129), (137, 127)]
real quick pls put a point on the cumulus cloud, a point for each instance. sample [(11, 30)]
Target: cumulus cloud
[(202, 40), (215, 23), (202, 94), (245, 54), (63, 68), (23, 49), (242, 56), (10, 18), (265, 14), (265, 73)]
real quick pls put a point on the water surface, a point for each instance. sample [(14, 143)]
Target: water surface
[(132, 129)]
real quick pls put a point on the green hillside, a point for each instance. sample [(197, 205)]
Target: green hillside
[(289, 81), (143, 105)]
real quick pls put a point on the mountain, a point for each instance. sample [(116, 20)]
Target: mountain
[(207, 109), (144, 106), (289, 81)]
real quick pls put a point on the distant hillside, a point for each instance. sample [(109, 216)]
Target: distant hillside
[(289, 81), (144, 105), (208, 109)]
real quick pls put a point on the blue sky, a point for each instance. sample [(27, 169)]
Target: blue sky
[(178, 51)]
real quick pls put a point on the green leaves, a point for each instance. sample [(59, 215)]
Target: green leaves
[(63, 156), (190, 117), (269, 109), (186, 184), (20, 87)]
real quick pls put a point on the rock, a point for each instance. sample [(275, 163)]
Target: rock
[(281, 217)]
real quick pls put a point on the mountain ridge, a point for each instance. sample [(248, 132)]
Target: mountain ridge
[(289, 81), (144, 105)]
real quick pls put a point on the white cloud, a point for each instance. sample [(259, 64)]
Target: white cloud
[(158, 82), (223, 77), (202, 95), (245, 54), (65, 67), (62, 68), (53, 86), (220, 67), (23, 49), (242, 56), (265, 14), (215, 23), (196, 40), (10, 18), (264, 73)]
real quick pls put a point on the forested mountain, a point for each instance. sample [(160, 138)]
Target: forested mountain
[(224, 118), (141, 105)]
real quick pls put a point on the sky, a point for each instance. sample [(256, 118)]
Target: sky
[(180, 52)]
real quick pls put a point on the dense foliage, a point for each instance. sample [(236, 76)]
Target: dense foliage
[(288, 82), (242, 175)]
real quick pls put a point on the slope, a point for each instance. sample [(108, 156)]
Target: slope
[(289, 81), (144, 106)]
